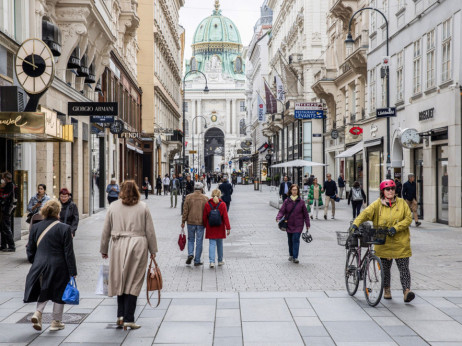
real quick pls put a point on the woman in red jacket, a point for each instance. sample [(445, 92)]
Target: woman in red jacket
[(217, 226)]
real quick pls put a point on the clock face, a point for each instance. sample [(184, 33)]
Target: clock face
[(410, 138), (34, 66)]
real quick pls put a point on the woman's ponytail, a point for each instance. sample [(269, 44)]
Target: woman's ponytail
[(216, 194)]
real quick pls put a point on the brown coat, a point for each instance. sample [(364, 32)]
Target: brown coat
[(193, 208), (132, 232)]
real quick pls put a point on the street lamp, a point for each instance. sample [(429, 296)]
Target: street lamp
[(349, 42), (206, 90), (192, 132)]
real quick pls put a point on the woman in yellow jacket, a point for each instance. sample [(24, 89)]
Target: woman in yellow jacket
[(393, 213)]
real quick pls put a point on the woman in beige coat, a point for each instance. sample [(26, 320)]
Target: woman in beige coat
[(129, 224)]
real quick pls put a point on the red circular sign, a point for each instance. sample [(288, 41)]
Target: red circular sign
[(356, 131)]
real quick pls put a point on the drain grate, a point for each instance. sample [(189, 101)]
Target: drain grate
[(68, 318)]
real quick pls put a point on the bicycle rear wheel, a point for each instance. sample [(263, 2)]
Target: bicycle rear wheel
[(351, 272), (373, 280)]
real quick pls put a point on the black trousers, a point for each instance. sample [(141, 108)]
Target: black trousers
[(126, 306), (112, 199), (146, 192), (284, 197), (5, 231), (159, 191), (227, 205), (356, 208)]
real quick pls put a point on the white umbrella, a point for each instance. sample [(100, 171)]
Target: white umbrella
[(297, 163)]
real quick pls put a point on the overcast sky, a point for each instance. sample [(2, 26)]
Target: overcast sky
[(244, 13)]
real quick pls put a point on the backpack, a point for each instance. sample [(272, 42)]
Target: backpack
[(357, 195), (214, 216)]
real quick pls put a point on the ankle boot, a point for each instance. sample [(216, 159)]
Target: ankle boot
[(386, 293), (131, 325), (37, 320), (408, 295)]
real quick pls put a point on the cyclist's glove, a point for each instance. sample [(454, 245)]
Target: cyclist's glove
[(353, 228), (392, 232)]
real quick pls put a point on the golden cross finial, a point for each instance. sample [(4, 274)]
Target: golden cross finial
[(217, 5)]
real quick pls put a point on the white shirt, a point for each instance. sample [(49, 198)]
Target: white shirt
[(166, 181)]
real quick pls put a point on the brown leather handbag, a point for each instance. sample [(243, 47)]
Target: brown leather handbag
[(153, 281)]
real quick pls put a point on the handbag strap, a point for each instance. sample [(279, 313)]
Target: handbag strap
[(158, 283), (46, 231), (66, 213), (292, 209)]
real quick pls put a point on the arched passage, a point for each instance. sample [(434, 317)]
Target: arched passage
[(214, 149)]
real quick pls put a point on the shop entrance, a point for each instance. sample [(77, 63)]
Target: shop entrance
[(442, 184), (418, 169)]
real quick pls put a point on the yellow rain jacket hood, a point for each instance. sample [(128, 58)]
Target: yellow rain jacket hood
[(383, 216)]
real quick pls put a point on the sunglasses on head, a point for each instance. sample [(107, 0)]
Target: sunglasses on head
[(390, 188)]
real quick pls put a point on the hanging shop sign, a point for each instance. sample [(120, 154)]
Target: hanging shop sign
[(334, 134), (130, 135), (92, 108), (102, 119), (426, 114), (386, 112), (309, 110), (317, 134), (356, 131), (117, 127)]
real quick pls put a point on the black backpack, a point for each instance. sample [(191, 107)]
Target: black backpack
[(214, 216)]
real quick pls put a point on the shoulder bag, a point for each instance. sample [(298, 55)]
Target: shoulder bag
[(153, 281), (46, 231), (285, 220)]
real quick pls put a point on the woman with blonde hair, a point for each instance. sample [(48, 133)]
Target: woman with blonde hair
[(51, 252), (129, 225), (217, 226)]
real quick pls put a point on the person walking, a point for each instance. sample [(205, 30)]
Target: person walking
[(209, 181), (146, 187), (189, 185), (393, 213), (296, 213), (226, 191), (306, 184), (69, 214), (166, 183), (193, 211), (215, 231), (399, 187), (7, 207), (113, 191), (330, 191), (36, 202), (410, 196), (159, 186), (357, 197), (234, 180), (50, 250), (315, 197), (175, 186), (341, 185), (129, 225), (284, 188)]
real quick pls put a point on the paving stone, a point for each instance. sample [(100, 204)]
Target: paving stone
[(107, 314), (303, 312), (272, 309), (433, 331), (388, 321), (186, 313), (134, 340), (97, 333), (185, 332), (276, 333), (221, 332), (421, 312), (47, 341), (227, 304), (312, 331), (228, 341), (318, 341), (298, 303), (356, 331), (398, 330), (17, 333), (307, 321), (410, 341), (338, 309)]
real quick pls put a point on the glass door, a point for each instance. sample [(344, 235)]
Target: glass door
[(442, 184), (418, 169)]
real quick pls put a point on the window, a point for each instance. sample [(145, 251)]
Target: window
[(399, 77), (373, 18), (417, 62), (242, 106), (238, 65), (431, 59), (446, 73), (400, 4), (185, 105), (193, 63), (372, 89)]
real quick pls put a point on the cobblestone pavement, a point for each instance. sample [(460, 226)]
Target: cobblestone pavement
[(258, 297)]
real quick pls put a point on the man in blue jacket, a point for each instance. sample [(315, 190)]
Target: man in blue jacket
[(226, 191), (410, 196), (284, 188)]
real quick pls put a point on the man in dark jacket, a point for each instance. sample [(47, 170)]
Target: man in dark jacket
[(284, 188), (399, 187), (341, 185), (69, 212), (189, 185), (7, 207), (330, 191), (175, 186), (410, 196), (226, 191)]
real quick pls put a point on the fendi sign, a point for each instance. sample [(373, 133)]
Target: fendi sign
[(128, 135)]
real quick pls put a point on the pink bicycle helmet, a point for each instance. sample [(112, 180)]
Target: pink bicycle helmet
[(387, 183)]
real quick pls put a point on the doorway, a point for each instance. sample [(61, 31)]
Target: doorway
[(214, 149), (442, 184), (418, 169)]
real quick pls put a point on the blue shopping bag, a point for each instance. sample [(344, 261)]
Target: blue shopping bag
[(71, 293)]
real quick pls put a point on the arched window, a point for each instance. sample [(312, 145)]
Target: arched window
[(238, 65), (193, 63)]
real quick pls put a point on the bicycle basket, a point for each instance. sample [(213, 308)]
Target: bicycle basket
[(374, 236), (342, 237)]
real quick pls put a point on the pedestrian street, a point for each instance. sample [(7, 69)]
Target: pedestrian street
[(258, 296)]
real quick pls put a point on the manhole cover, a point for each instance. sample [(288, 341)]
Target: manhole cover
[(46, 318)]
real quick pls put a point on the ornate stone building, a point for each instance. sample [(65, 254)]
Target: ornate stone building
[(216, 120), (298, 42), (159, 61)]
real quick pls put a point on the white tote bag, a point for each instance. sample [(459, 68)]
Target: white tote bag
[(103, 279)]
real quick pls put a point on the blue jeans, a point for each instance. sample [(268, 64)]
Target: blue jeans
[(294, 244), (196, 233), (218, 244)]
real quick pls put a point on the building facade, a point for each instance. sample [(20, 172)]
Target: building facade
[(296, 47), (159, 59), (215, 121)]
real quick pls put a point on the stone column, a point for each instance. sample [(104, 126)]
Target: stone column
[(228, 116), (235, 118)]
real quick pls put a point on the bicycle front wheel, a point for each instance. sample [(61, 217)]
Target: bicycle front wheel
[(351, 272), (373, 280)]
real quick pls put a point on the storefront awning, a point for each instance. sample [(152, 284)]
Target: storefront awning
[(351, 151), (131, 147)]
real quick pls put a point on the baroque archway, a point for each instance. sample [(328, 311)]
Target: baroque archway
[(214, 149)]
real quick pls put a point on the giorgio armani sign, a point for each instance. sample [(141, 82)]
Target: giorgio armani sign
[(92, 108)]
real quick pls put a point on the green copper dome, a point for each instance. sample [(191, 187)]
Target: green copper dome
[(217, 28)]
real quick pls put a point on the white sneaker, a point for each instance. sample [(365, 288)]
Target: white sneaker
[(56, 325), (212, 265), (221, 263)]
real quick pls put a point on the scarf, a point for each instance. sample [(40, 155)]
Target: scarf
[(293, 198)]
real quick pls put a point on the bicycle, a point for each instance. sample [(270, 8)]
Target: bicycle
[(367, 268)]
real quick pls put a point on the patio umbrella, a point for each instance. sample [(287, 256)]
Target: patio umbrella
[(297, 164)]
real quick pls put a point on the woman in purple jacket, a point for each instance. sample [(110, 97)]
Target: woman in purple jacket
[(296, 220)]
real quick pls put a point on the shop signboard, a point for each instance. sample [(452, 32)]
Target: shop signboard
[(386, 112), (92, 108), (309, 110), (426, 114), (102, 119), (353, 133)]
